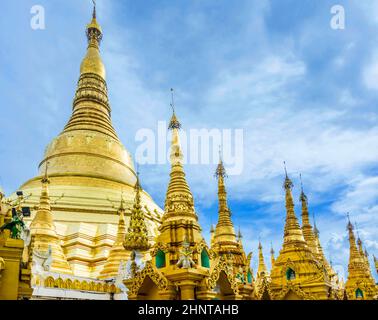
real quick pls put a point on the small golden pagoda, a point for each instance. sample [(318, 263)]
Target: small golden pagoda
[(296, 273), (262, 284), (227, 246), (117, 253), (376, 263), (137, 233), (43, 233), (360, 284)]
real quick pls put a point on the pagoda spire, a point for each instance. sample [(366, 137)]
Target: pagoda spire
[(240, 236), (224, 230), (272, 258), (179, 198), (292, 232), (43, 218), (363, 253), (296, 264), (353, 251), (43, 232), (261, 270), (180, 230), (137, 234), (117, 253), (307, 230), (360, 282), (91, 108)]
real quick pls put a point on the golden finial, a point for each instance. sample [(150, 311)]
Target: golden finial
[(94, 32), (45, 178), (359, 242), (260, 246), (137, 184), (316, 231), (271, 248), (349, 225), (220, 171), (303, 196), (240, 236), (122, 204), (174, 123), (94, 9), (288, 184), (172, 100), (285, 169)]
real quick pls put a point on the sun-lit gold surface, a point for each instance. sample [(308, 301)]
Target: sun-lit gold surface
[(88, 169), (297, 273), (360, 284), (43, 234), (89, 214)]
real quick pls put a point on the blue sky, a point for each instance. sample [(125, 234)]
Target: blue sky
[(301, 91)]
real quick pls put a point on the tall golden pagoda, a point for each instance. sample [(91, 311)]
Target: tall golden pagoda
[(89, 167), (182, 266), (360, 284), (226, 245), (307, 230), (296, 273), (177, 264), (311, 235)]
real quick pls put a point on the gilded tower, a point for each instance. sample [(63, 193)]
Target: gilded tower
[(117, 253), (311, 236), (307, 230), (360, 284), (180, 258), (43, 233), (88, 169), (296, 273), (182, 265), (137, 233), (226, 245), (262, 284)]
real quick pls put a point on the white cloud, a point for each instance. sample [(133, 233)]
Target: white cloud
[(370, 73)]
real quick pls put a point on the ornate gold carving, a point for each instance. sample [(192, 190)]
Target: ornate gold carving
[(294, 288), (219, 266), (154, 274)]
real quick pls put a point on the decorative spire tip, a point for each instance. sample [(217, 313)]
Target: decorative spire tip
[(174, 123), (288, 184), (220, 171), (45, 178)]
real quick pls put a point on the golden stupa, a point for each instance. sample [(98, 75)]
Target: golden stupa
[(89, 171), (95, 234)]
